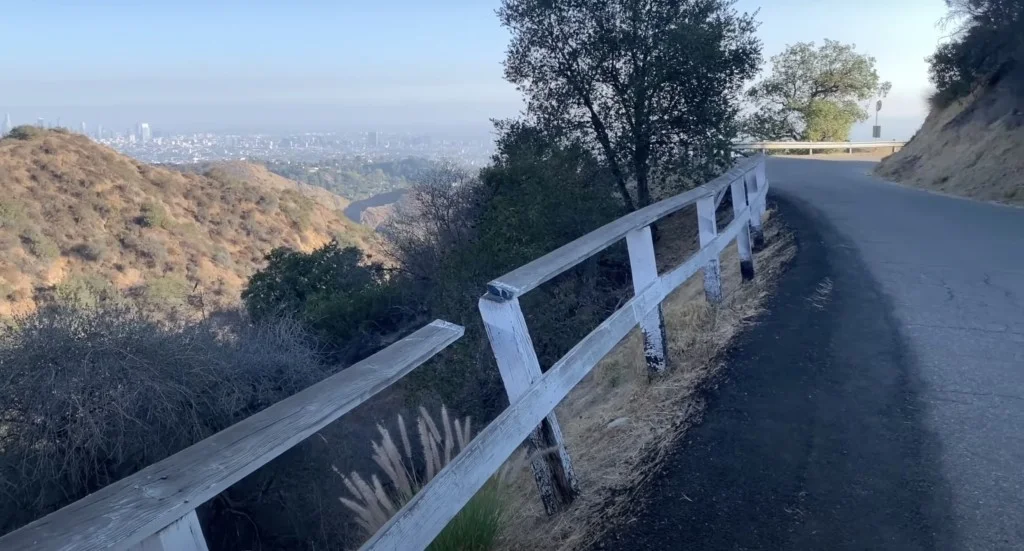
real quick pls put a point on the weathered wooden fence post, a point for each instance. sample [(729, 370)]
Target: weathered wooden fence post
[(738, 188), (752, 179), (645, 272), (707, 225), (519, 368)]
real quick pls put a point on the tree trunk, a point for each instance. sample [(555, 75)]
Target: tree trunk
[(606, 145)]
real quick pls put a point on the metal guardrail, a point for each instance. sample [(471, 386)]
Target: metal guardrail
[(812, 146)]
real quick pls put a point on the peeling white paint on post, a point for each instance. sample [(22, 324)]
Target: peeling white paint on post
[(739, 209), (644, 267), (751, 179), (519, 368), (185, 534), (708, 227)]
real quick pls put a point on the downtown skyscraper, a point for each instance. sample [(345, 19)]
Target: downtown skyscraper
[(7, 126)]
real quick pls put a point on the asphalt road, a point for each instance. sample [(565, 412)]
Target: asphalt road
[(879, 404)]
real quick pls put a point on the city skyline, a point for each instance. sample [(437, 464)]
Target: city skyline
[(314, 67)]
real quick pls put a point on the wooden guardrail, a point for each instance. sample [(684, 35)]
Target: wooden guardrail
[(820, 146), (533, 395), (154, 509)]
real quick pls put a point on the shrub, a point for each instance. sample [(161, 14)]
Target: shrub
[(93, 395), (39, 244), (25, 132), (12, 215), (478, 524), (152, 215), (150, 249), (165, 290), (86, 291), (297, 208), (349, 304), (93, 252)]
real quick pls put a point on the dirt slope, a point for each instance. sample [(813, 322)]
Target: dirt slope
[(973, 148), (79, 219)]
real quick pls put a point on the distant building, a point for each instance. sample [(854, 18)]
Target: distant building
[(41, 122), (7, 125), (372, 139), (99, 131), (145, 134), (84, 129)]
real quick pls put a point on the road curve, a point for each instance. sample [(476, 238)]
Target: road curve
[(879, 404)]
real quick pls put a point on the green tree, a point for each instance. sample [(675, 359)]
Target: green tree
[(349, 304), (459, 230), (650, 86), (813, 93), (986, 41)]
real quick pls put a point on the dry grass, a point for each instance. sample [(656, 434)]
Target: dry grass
[(373, 503), (632, 421), (75, 214), (972, 148)]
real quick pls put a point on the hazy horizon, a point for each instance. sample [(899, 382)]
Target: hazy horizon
[(266, 67)]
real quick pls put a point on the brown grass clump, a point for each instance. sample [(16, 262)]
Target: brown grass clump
[(73, 209), (618, 424)]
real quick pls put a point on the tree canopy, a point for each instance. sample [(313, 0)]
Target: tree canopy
[(986, 39), (813, 93), (652, 87)]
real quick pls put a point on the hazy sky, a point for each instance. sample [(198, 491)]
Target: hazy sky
[(328, 64)]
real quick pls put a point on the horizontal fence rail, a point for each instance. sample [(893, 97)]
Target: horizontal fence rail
[(529, 276), (812, 146), (154, 509)]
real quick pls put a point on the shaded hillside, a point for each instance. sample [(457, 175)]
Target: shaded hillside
[(78, 219), (974, 147)]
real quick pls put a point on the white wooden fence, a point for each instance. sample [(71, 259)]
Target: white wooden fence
[(811, 147), (154, 509)]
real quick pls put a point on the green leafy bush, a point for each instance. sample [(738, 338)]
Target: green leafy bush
[(351, 305)]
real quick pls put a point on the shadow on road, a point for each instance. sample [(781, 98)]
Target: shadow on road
[(813, 438)]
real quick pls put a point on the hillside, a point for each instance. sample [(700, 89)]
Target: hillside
[(78, 219), (974, 147)]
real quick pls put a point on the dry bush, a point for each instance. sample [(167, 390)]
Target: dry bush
[(93, 395)]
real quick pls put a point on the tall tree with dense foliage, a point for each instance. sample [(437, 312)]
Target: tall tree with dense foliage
[(813, 93), (651, 86), (987, 39)]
